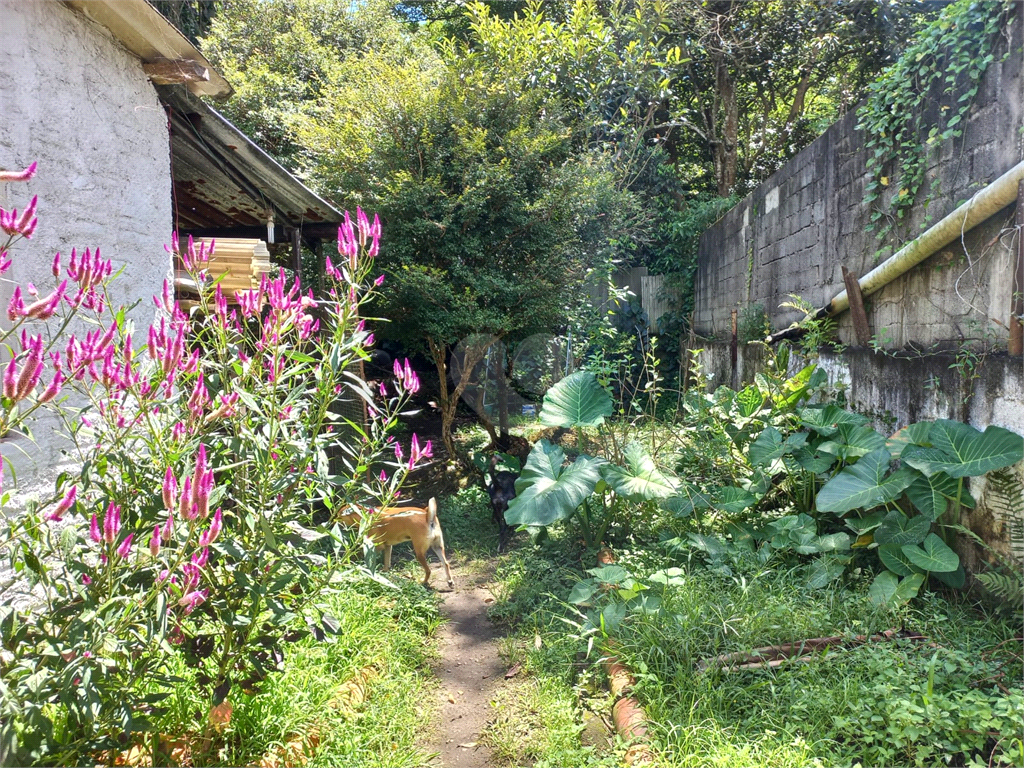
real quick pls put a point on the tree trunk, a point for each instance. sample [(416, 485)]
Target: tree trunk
[(503, 392), (449, 398), (726, 148)]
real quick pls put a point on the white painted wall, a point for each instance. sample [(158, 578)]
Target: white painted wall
[(73, 99)]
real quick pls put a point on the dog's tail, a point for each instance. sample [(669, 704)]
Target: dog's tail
[(431, 512)]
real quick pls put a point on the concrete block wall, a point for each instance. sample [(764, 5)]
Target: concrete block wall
[(795, 232), (73, 99)]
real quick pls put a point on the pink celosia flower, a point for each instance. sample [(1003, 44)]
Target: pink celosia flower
[(53, 389), (111, 523), (170, 490), (379, 281), (154, 541), (64, 505), (125, 547), (168, 527), (193, 600), (24, 175), (94, 529), (210, 535)]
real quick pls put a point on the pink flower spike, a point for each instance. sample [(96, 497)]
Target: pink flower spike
[(167, 529), (382, 389), (210, 535), (5, 262), (398, 452), (55, 267), (111, 523), (428, 450), (200, 560), (383, 476), (154, 541), (379, 281), (24, 175), (64, 505), (186, 508), (193, 600), (86, 580), (94, 529), (16, 306), (369, 341), (11, 379), (170, 490), (125, 547)]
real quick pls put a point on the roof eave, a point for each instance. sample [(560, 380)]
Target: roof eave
[(151, 37)]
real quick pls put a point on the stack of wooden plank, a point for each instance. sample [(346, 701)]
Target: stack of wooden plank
[(241, 261)]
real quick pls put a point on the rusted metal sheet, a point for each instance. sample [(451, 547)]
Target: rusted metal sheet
[(223, 182)]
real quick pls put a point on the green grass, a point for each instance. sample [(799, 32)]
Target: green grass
[(384, 637), (893, 703)]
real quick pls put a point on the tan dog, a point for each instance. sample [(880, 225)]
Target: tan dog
[(397, 524)]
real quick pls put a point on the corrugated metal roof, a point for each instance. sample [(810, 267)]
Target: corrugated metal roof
[(223, 181)]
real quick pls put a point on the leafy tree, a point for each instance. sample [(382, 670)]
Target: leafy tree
[(755, 82), (492, 220)]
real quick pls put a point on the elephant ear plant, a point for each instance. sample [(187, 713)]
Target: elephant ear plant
[(894, 511), (199, 522), (591, 488)]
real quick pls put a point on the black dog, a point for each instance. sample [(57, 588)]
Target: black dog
[(501, 489)]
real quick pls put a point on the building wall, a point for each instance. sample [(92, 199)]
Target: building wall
[(794, 233), (73, 99)]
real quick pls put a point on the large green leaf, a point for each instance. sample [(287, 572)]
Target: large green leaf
[(640, 479), (576, 401), (749, 401), (897, 528), (912, 434), (547, 493), (686, 501), (892, 557), (851, 441), (864, 485), (931, 495), (825, 570), (770, 445), (960, 450), (887, 590), (932, 555), (826, 419), (733, 500)]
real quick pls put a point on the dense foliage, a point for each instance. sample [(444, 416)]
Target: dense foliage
[(199, 524)]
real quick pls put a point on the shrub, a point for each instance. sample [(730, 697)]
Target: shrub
[(200, 522)]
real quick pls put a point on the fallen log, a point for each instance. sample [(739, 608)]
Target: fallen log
[(771, 656)]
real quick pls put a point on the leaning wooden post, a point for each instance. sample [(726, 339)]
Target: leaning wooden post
[(733, 351), (860, 317)]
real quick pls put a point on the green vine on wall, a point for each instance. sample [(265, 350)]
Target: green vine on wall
[(949, 58)]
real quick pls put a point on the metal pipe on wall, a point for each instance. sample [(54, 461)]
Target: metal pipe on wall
[(984, 204)]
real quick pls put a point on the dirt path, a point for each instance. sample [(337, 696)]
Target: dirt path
[(470, 670)]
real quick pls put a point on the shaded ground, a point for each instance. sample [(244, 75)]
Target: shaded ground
[(470, 672)]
